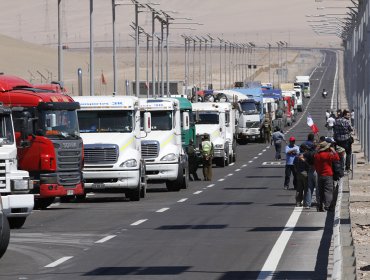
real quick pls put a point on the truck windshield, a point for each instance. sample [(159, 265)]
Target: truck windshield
[(208, 117), (6, 130), (249, 108), (105, 121), (58, 123), (161, 120)]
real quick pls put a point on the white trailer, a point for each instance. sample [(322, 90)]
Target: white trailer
[(217, 120), (161, 147), (110, 129), (15, 185)]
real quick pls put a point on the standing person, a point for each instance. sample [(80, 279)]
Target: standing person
[(330, 125), (207, 154), (291, 151), (342, 136), (339, 114), (193, 162), (301, 168), (310, 142), (327, 114), (267, 131), (311, 176), (324, 158), (277, 138)]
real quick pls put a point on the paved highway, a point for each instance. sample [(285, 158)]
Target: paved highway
[(242, 225)]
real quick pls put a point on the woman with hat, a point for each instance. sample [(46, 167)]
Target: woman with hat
[(324, 158)]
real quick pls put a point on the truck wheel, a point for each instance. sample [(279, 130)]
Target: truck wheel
[(185, 179), (43, 203), (143, 184), (227, 160), (175, 186), (5, 235), (80, 197), (134, 195), (234, 156), (16, 222), (220, 162)]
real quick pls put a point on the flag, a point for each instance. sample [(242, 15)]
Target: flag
[(103, 81), (312, 125)]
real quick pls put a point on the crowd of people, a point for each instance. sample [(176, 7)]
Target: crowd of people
[(318, 163)]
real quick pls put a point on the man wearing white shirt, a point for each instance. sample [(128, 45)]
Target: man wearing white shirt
[(330, 125)]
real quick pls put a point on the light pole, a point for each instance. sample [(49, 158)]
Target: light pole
[(92, 89), (205, 63), (220, 62), (200, 61), (269, 45), (60, 44), (211, 39)]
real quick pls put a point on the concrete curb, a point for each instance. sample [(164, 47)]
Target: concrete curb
[(344, 252)]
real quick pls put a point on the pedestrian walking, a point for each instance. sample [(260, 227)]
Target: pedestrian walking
[(301, 168), (311, 176), (339, 114), (193, 162), (207, 155), (343, 137), (291, 151), (327, 114), (324, 158), (330, 125), (277, 139)]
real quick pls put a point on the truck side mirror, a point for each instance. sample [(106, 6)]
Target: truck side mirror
[(147, 122), (185, 120)]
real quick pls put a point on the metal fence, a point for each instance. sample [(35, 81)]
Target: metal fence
[(356, 41)]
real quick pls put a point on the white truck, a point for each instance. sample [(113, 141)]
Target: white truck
[(161, 146), (217, 120), (304, 82), (15, 185), (110, 129), (4, 231)]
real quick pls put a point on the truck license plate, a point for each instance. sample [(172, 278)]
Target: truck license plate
[(70, 192), (98, 185)]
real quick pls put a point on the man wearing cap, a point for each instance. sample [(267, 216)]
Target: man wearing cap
[(291, 151), (342, 135), (324, 158)]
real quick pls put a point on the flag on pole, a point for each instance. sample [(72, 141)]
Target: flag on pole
[(312, 125), (103, 81)]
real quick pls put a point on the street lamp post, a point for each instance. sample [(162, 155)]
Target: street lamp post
[(205, 63), (269, 45), (60, 44), (220, 62), (92, 89), (211, 39)]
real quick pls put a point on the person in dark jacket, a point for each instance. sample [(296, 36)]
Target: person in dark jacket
[(301, 167)]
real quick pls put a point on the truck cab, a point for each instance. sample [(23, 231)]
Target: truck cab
[(162, 145), (217, 120), (47, 137), (110, 129), (15, 185), (304, 82)]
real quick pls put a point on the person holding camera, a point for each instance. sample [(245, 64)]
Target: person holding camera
[(323, 161)]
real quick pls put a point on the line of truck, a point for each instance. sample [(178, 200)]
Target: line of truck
[(53, 145)]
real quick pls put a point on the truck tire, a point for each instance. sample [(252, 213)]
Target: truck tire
[(16, 222), (5, 235), (227, 159), (220, 162), (134, 194), (185, 179), (175, 186), (43, 203), (143, 184)]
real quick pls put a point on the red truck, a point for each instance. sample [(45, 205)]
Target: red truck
[(47, 135)]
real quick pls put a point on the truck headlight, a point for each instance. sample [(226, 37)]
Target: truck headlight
[(20, 185), (169, 157), (219, 146), (129, 163)]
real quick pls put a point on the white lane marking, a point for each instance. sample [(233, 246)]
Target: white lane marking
[(211, 185), (260, 154), (255, 157), (222, 179), (244, 165), (162, 210), (182, 200), (264, 150), (139, 222), (268, 147), (230, 174), (55, 204), (231, 164), (237, 170), (198, 192), (105, 239), (250, 161), (268, 269), (58, 262)]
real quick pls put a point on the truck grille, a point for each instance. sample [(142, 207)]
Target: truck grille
[(2, 174), (101, 153), (70, 179), (252, 124), (68, 156), (149, 149)]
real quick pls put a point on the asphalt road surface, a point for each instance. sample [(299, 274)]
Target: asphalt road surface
[(242, 225)]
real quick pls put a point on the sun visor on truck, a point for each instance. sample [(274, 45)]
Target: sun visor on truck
[(58, 106)]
